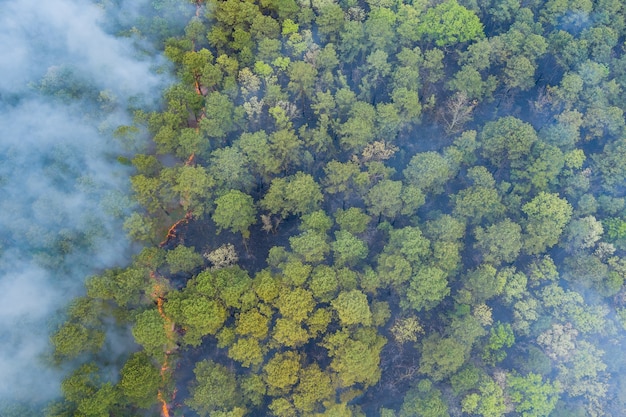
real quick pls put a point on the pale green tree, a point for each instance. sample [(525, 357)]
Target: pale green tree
[(236, 211)]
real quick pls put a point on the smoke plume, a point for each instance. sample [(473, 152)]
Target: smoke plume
[(65, 85)]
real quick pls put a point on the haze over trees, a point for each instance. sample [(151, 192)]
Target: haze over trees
[(370, 208)]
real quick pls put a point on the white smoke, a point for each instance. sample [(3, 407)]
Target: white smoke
[(65, 83)]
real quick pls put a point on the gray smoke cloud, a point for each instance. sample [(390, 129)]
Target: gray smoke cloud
[(65, 84)]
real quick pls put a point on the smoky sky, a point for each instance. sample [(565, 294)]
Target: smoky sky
[(65, 84)]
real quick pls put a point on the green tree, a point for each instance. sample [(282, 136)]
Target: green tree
[(220, 116), (388, 121), (478, 202), (296, 194), (441, 357), (359, 129), (518, 50), (545, 164), (586, 269), (356, 360), (141, 227), (201, 317), (215, 388), (525, 312), (297, 304), (445, 228), (500, 336), (609, 164), (253, 323), (547, 215), (324, 283), (301, 79), (583, 233), (72, 339), (90, 397), (149, 193), (352, 308), (295, 272), (449, 23), (312, 246), (317, 221), (193, 185), (469, 83), (353, 220), (281, 371), (314, 387), (489, 401), (384, 199), (319, 321), (183, 259), (233, 285), (519, 72), (500, 242), (266, 286), (289, 333), (149, 332), (140, 380), (198, 315), (282, 407), (507, 140), (429, 171), (379, 28), (466, 379), (247, 351), (447, 256), (344, 178), (585, 375), (286, 147), (408, 104), (532, 396), (427, 287), (348, 249), (468, 328), (352, 44), (230, 169), (409, 242), (235, 210), (482, 284), (124, 286), (424, 400), (393, 269), (260, 156)]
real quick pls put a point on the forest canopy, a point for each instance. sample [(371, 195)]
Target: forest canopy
[(377, 207)]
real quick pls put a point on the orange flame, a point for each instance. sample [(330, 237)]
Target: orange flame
[(159, 290), (165, 412), (192, 160), (172, 233)]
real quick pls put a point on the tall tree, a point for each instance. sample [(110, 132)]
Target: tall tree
[(547, 214), (507, 141), (236, 211), (215, 388), (449, 23)]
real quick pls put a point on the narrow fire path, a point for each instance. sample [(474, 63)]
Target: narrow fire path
[(159, 290)]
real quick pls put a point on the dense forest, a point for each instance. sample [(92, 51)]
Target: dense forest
[(367, 208)]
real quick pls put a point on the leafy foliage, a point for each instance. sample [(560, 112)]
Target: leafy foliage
[(344, 123)]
